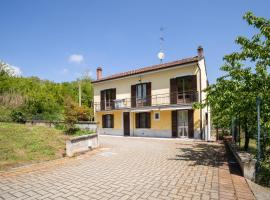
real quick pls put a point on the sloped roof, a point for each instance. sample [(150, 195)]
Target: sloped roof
[(149, 69)]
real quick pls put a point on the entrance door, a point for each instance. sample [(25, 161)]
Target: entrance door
[(126, 119), (182, 123)]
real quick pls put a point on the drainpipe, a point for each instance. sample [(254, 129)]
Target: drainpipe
[(200, 56), (200, 101)]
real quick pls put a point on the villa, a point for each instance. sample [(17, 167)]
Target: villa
[(154, 101)]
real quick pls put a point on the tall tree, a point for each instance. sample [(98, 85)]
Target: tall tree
[(246, 77)]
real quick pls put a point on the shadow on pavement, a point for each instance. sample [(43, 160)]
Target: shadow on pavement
[(208, 154), (199, 153)]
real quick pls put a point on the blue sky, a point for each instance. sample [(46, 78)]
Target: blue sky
[(59, 40)]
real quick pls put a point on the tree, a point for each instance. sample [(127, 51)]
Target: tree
[(71, 115), (246, 77), (39, 99)]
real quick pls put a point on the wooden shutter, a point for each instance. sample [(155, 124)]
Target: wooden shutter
[(103, 121), (137, 120), (173, 91), (148, 94), (194, 82), (190, 124), (113, 96), (112, 121), (133, 96), (174, 123), (194, 87), (148, 120), (102, 100)]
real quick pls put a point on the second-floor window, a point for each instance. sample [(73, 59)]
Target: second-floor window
[(141, 95), (107, 100), (183, 89)]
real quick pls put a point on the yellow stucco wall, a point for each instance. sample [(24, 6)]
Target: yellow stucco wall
[(118, 118), (164, 123), (160, 85), (165, 120), (196, 119), (160, 82)]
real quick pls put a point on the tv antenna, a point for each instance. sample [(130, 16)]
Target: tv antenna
[(161, 54)]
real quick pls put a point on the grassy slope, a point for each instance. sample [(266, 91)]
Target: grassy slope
[(21, 144)]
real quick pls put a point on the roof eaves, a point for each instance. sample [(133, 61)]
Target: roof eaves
[(149, 69)]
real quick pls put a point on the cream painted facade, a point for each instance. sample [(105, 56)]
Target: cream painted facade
[(160, 81), (160, 86)]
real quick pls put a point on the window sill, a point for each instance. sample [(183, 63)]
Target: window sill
[(143, 128)]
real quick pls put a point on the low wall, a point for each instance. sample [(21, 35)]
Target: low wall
[(81, 144), (244, 159), (86, 125), (42, 123)]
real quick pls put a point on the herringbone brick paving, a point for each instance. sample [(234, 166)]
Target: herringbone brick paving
[(131, 168)]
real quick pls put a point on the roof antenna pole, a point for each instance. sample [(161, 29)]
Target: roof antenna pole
[(161, 55)]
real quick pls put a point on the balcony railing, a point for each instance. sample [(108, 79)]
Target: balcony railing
[(153, 100)]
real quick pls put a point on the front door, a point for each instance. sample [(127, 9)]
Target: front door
[(182, 123), (126, 119)]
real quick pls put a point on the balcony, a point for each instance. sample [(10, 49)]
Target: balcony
[(153, 100)]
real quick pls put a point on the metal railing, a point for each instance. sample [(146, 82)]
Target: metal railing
[(153, 100)]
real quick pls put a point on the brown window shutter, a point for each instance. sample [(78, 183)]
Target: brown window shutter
[(113, 92), (148, 120), (194, 82), (148, 94), (190, 124), (174, 123), (194, 88), (173, 91), (102, 100), (133, 96), (137, 120), (103, 121), (112, 121)]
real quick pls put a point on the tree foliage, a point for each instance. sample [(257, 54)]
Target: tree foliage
[(39, 99), (246, 77)]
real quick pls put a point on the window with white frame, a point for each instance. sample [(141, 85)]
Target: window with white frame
[(156, 115)]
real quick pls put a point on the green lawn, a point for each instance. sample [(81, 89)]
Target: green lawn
[(21, 144)]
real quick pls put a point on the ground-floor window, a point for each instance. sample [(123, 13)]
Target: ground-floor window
[(143, 120), (107, 121)]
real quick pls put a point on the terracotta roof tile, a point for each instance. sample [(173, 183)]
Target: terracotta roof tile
[(149, 68)]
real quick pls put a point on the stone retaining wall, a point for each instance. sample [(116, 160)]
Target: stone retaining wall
[(86, 125), (246, 162), (81, 144)]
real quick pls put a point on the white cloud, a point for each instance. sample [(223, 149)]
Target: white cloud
[(76, 58), (64, 71)]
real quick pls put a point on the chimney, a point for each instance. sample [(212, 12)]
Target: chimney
[(200, 52), (99, 73)]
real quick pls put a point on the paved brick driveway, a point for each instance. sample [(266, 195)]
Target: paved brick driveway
[(131, 168)]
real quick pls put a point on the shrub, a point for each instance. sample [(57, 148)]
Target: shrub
[(70, 116), (60, 126), (263, 176), (84, 113), (18, 116), (5, 114)]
